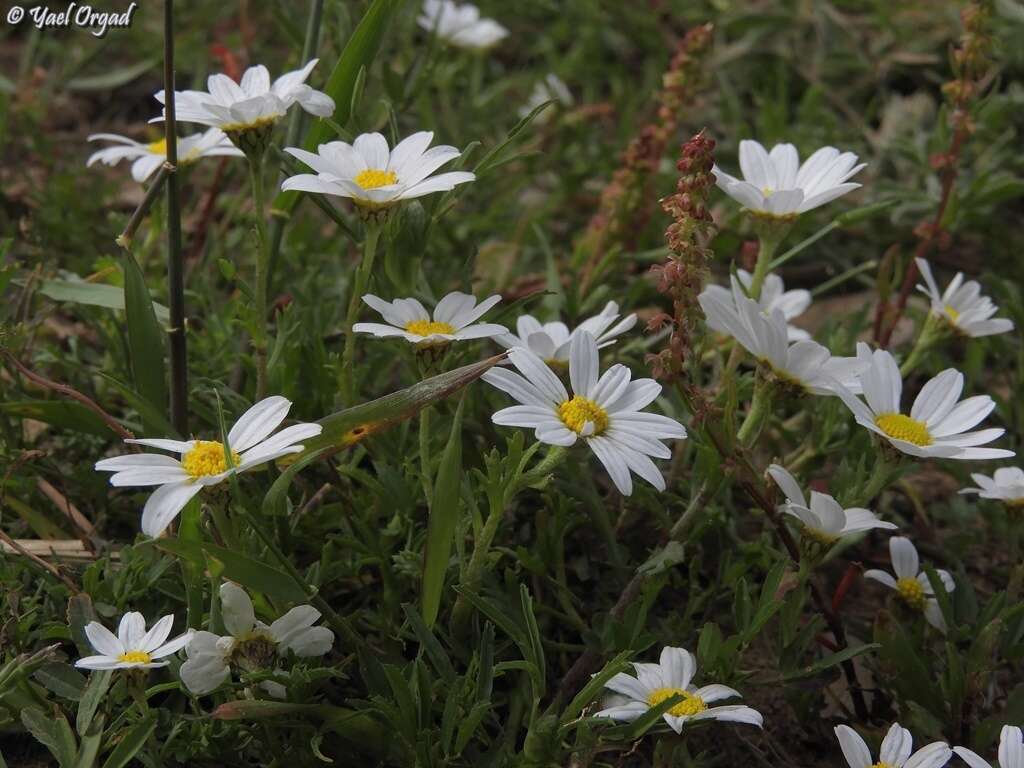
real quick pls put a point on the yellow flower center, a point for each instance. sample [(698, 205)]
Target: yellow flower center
[(159, 147), (881, 764), (954, 315), (428, 327), (207, 458), (911, 591), (690, 705), (580, 411), (904, 428), (135, 657), (766, 191), (372, 178)]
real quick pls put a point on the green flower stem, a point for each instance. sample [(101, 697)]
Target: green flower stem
[(338, 623), (475, 570), (803, 244), (930, 333), (760, 408), (769, 243), (225, 527), (362, 278), (878, 479), (260, 337)]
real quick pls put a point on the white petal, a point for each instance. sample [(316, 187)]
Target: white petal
[(905, 562), (103, 640), (854, 749), (258, 422), (164, 504), (236, 609)]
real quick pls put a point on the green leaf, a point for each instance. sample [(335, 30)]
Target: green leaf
[(274, 501), (93, 294), (359, 52), (832, 660), (145, 339), (54, 733), (594, 688), (132, 741), (111, 79), (99, 682), (80, 613), (92, 739), (444, 515), (238, 567), (40, 524), (61, 679), (430, 644), (352, 425), (59, 413)]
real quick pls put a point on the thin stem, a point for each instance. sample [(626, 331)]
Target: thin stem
[(428, 485), (803, 244), (175, 262), (768, 246), (362, 277), (760, 408), (155, 187), (925, 341), (260, 336), (309, 46)]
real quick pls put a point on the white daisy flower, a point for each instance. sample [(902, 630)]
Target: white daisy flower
[(454, 319), (551, 88), (374, 176), (773, 296), (672, 676), (776, 184), (937, 424), (962, 305), (202, 463), (1011, 750), (250, 643), (823, 519), (550, 341), (132, 647), (895, 752), (149, 157), (911, 583), (1006, 485), (460, 25), (255, 102), (805, 364), (605, 412)]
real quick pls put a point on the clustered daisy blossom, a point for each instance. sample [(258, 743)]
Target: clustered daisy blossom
[(550, 341), (673, 676), (203, 463), (937, 425), (1006, 485), (823, 519), (454, 319), (961, 305), (1011, 750), (255, 102), (460, 25), (148, 157), (132, 647), (911, 583), (250, 643), (605, 412), (805, 364), (775, 184), (774, 296), (374, 176), (895, 752)]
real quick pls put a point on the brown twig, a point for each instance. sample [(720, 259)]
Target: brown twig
[(80, 521), (48, 567), (69, 392)]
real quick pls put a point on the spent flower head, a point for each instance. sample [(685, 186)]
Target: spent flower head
[(250, 644)]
